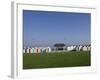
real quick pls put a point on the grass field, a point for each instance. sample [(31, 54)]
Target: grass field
[(53, 60)]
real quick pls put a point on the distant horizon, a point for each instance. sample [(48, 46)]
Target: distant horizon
[(53, 45), (46, 28)]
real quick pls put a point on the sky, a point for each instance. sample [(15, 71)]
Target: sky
[(45, 28)]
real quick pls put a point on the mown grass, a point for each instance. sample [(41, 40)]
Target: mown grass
[(53, 60)]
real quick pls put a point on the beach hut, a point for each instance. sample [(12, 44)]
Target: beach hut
[(88, 48), (37, 50), (27, 50), (24, 50), (44, 50), (80, 48), (77, 48), (48, 49), (74, 46), (40, 49), (85, 48), (32, 50), (69, 48)]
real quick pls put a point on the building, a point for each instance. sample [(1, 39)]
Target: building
[(60, 47)]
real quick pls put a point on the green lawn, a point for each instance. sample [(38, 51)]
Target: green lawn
[(52, 60)]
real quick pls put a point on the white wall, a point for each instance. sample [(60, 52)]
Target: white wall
[(5, 41)]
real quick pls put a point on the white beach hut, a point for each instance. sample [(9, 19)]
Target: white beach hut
[(72, 48), (80, 47), (44, 50), (41, 49), (27, 50), (32, 50), (35, 50), (77, 48), (24, 50), (88, 48), (48, 49), (85, 48), (69, 48)]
